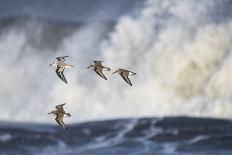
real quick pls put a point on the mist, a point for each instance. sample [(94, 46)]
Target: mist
[(181, 52)]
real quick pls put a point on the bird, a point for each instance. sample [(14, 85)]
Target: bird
[(60, 113), (60, 66), (124, 74), (98, 68)]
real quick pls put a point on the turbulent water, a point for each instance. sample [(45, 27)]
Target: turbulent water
[(180, 50), (147, 136)]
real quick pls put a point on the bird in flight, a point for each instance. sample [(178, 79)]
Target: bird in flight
[(124, 74), (60, 113), (98, 68), (60, 65)]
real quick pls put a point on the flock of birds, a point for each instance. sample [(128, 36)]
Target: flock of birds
[(97, 66)]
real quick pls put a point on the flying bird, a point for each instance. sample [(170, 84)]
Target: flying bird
[(124, 74), (60, 113), (98, 68), (60, 65)]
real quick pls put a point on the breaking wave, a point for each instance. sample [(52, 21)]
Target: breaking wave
[(173, 136), (181, 51)]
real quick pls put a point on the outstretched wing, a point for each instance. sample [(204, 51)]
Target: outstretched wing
[(60, 74), (62, 58), (64, 79), (58, 107), (59, 120), (99, 72), (98, 62), (125, 77)]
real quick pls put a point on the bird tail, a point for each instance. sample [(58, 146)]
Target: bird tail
[(68, 114), (132, 73), (68, 66)]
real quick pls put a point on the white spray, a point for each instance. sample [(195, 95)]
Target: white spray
[(182, 60)]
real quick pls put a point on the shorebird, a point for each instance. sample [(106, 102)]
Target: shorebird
[(60, 66), (60, 113), (98, 68), (124, 74)]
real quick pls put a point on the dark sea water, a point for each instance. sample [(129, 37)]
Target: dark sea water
[(145, 136)]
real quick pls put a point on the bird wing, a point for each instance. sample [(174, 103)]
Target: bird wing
[(98, 62), (59, 107), (60, 74), (99, 72), (125, 77), (59, 120), (62, 58)]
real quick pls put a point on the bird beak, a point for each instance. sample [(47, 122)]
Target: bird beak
[(88, 67), (114, 72), (50, 64), (49, 112)]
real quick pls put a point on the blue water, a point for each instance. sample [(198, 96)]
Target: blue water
[(145, 136)]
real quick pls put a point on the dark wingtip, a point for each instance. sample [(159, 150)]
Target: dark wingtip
[(104, 78)]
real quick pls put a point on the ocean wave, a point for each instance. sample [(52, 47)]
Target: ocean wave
[(180, 50), (125, 136)]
